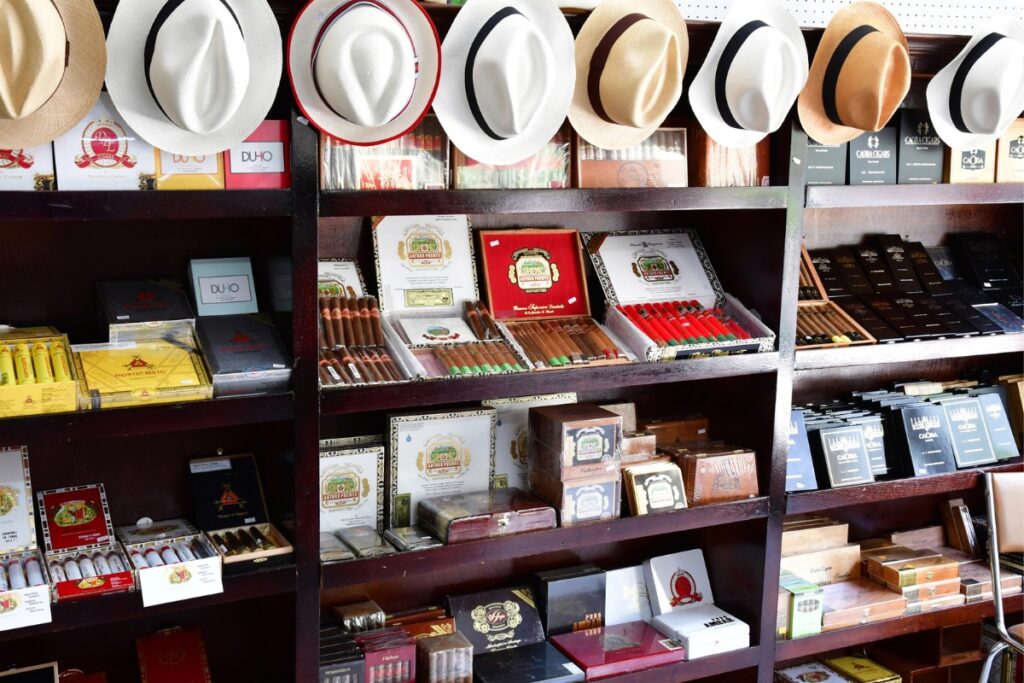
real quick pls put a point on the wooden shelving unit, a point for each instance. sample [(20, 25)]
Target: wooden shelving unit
[(753, 236)]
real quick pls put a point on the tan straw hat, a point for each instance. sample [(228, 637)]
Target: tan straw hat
[(859, 76), (51, 68), (630, 60)]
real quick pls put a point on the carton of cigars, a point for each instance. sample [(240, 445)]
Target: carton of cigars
[(898, 567), (824, 567), (859, 602), (581, 501), (717, 474), (484, 514), (681, 431), (574, 441)]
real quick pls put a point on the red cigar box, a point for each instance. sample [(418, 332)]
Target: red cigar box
[(261, 162), (484, 514), (613, 650), (175, 655)]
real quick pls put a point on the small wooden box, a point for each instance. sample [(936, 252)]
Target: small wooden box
[(712, 165), (717, 477), (484, 514), (850, 603)]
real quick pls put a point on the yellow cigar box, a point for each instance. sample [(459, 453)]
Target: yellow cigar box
[(185, 172), (131, 374), (32, 385)]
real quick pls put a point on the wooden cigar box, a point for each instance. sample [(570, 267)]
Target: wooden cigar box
[(574, 441), (677, 432), (927, 591), (925, 537), (850, 603), (659, 161), (628, 413), (976, 580), (638, 446), (826, 306), (719, 477), (714, 165), (938, 602), (921, 566), (810, 539), (580, 501), (862, 669), (654, 487), (484, 514), (824, 567)]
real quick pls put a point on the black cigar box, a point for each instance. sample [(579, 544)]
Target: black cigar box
[(571, 599), (826, 164), (952, 324), (842, 459), (902, 314), (846, 262), (538, 663), (869, 320), (876, 269), (921, 152), (873, 158), (998, 422), (1012, 299), (874, 441), (825, 265), (921, 432), (985, 257), (497, 620), (799, 464), (894, 251), (245, 355), (972, 445), (956, 303), (926, 270)]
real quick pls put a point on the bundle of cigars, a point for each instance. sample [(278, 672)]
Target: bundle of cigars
[(352, 345)]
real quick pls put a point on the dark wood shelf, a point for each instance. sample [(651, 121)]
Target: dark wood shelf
[(126, 606), (354, 572), (866, 196), (159, 205), (156, 419), (413, 202), (831, 499), (445, 391), (694, 669), (908, 352), (891, 628)]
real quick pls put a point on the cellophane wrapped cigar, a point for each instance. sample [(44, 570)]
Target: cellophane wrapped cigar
[(352, 345)]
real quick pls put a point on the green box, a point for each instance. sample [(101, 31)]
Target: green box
[(805, 605)]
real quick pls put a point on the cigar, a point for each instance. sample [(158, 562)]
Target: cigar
[(582, 339), (389, 365), (343, 314), (549, 353), (445, 359), (322, 338), (600, 339), (474, 320), (357, 338), (327, 329), (260, 538), (489, 323), (533, 354), (378, 330), (465, 361), (364, 319), (566, 343), (370, 364)]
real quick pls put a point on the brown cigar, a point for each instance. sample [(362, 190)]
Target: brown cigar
[(558, 329), (378, 330), (343, 321), (444, 358), (532, 351), (328, 322), (345, 373), (325, 376), (357, 338), (489, 323), (474, 320), (322, 338)]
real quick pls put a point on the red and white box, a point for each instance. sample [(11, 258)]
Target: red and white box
[(27, 169), (76, 525), (262, 161)]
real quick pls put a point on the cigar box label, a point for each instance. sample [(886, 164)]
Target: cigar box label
[(976, 165), (75, 517), (102, 152), (873, 158), (826, 164), (812, 672), (921, 151), (591, 444), (261, 160), (29, 169), (678, 581), (17, 519), (590, 502), (511, 434), (846, 459), (185, 172), (968, 433), (438, 454), (658, 491), (928, 439), (863, 670), (927, 591), (25, 607), (498, 620), (136, 374), (352, 488), (434, 331), (337, 276), (257, 157), (626, 597), (1010, 161), (999, 430)]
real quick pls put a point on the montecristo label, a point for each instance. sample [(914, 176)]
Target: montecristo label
[(137, 374)]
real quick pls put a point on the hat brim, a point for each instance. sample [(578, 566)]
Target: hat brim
[(937, 92), (584, 119), (79, 88), (702, 91), (452, 103), (126, 77), (426, 42), (810, 106)]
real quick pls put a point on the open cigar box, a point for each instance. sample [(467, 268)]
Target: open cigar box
[(430, 300), (822, 324), (537, 291)]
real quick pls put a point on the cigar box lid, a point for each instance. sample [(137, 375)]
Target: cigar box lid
[(247, 344), (656, 487), (497, 620), (639, 266), (337, 276), (133, 368), (135, 301), (852, 601), (223, 285), (424, 263), (146, 530), (862, 669), (227, 492), (17, 513), (626, 596), (75, 517), (678, 581), (351, 486), (175, 655), (539, 663), (809, 672), (534, 274), (895, 555), (39, 673), (622, 648)]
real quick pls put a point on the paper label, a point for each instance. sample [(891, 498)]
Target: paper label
[(198, 466), (26, 169), (182, 581), (182, 164), (16, 515), (226, 289), (257, 157), (25, 607), (352, 488)]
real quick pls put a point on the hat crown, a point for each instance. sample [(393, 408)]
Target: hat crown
[(365, 66), (643, 77), (869, 92), (511, 76), (765, 77), (199, 71), (989, 89), (32, 63)]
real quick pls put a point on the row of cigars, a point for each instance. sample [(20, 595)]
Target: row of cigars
[(912, 429), (83, 555), (664, 302), (516, 465), (566, 625)]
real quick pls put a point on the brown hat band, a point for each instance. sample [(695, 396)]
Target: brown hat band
[(835, 66), (600, 59)]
